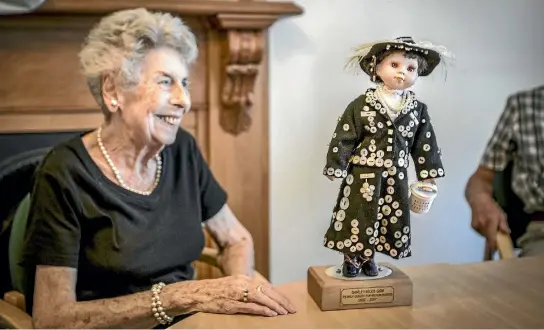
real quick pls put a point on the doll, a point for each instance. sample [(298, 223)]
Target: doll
[(370, 149)]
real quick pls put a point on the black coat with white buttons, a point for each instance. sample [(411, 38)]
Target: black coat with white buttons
[(371, 153)]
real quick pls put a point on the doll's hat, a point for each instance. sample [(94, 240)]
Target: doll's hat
[(433, 54)]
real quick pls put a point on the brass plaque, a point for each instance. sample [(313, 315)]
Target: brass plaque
[(376, 295)]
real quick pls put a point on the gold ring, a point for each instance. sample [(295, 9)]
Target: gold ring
[(246, 293), (260, 288)]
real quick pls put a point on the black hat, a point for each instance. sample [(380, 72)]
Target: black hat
[(365, 54)]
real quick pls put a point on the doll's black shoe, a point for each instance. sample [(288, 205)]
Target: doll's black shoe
[(351, 266), (369, 267)]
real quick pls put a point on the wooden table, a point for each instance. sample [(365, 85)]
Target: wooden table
[(494, 294)]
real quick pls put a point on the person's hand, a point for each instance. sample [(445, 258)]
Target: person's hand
[(487, 219), (241, 294)]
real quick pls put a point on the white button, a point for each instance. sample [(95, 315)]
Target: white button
[(330, 244), (379, 162), (406, 229), (369, 231), (347, 243), (344, 203), (355, 231), (395, 205), (370, 161), (338, 226), (368, 252), (352, 249), (359, 246), (373, 129), (432, 173), (440, 171), (330, 171), (383, 230), (401, 128), (372, 240), (346, 127), (386, 210), (388, 198), (386, 246), (401, 175), (380, 124), (335, 149), (398, 234), (423, 174), (379, 248), (340, 245), (390, 181), (401, 153), (426, 147), (393, 220), (421, 160), (401, 162), (372, 147), (347, 191), (398, 244), (354, 238), (380, 153), (388, 163), (355, 223), (349, 179), (428, 134), (364, 152), (392, 170), (338, 173), (398, 213), (341, 215), (390, 190)]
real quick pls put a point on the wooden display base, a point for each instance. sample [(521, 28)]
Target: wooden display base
[(331, 293)]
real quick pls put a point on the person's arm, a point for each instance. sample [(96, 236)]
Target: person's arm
[(235, 243), (55, 304), (487, 216)]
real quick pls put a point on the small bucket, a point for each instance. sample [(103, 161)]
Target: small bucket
[(422, 195)]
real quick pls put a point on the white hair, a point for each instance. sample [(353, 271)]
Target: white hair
[(120, 41)]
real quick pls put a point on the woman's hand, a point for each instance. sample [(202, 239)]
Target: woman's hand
[(241, 294)]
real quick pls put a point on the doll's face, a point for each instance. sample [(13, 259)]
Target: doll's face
[(397, 71)]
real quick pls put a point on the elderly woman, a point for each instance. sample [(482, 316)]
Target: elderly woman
[(117, 213)]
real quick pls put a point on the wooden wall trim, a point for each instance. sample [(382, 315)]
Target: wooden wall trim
[(185, 7)]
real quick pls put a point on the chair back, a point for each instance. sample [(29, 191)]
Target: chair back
[(512, 205), (16, 181)]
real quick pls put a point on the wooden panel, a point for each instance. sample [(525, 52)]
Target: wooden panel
[(240, 162)]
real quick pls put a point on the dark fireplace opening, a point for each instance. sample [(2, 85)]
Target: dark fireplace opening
[(18, 154), (16, 143)]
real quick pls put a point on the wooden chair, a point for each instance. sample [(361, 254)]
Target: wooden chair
[(516, 216)]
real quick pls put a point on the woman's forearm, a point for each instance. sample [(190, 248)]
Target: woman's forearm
[(55, 305), (238, 258)]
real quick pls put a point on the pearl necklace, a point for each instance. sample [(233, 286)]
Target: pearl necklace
[(381, 95), (118, 174)]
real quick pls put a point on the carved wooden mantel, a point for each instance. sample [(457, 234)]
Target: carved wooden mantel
[(241, 21), (42, 90)]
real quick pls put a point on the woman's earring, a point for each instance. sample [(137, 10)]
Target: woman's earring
[(114, 103)]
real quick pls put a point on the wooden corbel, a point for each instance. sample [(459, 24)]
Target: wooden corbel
[(242, 56)]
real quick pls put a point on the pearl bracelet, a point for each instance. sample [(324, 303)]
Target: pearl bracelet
[(156, 304)]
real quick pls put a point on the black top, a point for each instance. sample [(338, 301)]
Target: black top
[(119, 241)]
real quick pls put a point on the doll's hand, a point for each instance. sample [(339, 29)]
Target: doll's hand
[(432, 181)]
